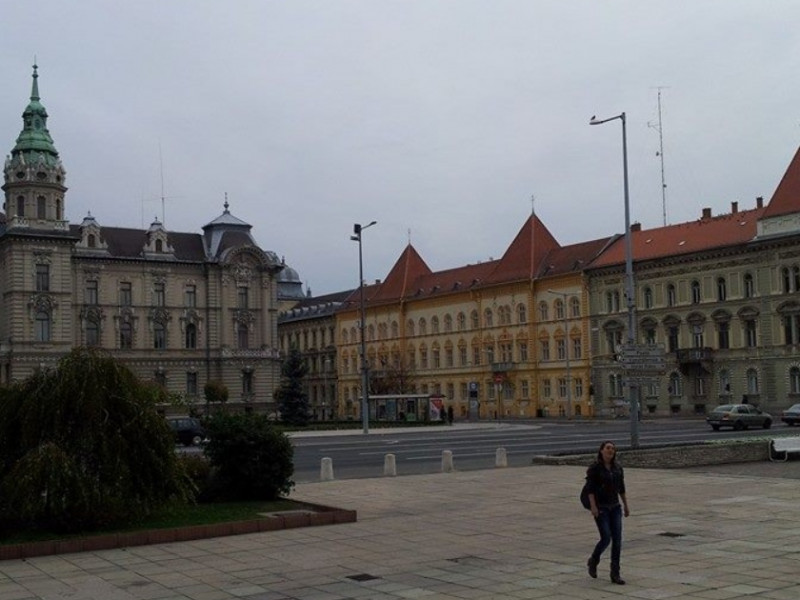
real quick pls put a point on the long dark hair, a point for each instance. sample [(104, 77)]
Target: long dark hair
[(600, 453)]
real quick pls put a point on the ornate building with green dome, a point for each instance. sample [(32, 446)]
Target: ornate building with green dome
[(179, 308)]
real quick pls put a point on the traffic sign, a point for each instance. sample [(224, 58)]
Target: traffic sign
[(643, 359)]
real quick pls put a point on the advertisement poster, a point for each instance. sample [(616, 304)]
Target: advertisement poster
[(436, 408)]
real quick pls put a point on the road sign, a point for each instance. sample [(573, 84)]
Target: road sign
[(643, 359)]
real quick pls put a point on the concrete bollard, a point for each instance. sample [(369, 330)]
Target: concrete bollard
[(447, 461), (389, 465), (500, 458), (326, 469)]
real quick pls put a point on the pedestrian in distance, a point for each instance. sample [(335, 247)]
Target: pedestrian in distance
[(606, 487), (450, 415)]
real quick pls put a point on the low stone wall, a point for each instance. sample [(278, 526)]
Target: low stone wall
[(675, 457)]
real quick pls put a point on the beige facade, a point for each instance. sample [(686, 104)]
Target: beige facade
[(179, 308)]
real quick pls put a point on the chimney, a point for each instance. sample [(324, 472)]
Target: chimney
[(636, 226), (760, 202), (734, 208), (706, 214)]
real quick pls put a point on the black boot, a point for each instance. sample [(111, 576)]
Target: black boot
[(615, 578), (592, 565)]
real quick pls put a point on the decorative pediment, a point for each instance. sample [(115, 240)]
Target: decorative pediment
[(42, 302), (157, 243)]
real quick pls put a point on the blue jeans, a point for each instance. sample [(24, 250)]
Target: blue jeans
[(609, 524)]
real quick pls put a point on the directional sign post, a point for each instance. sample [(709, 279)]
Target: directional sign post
[(643, 360)]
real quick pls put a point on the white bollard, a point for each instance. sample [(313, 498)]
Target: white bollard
[(326, 469), (447, 461), (500, 458), (389, 465)]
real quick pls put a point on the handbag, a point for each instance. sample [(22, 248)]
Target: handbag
[(585, 496)]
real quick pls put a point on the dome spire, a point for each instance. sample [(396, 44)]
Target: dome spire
[(35, 84)]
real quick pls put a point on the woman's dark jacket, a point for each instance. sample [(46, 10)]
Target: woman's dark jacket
[(605, 484)]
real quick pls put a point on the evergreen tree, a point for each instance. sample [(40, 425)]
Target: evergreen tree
[(291, 396)]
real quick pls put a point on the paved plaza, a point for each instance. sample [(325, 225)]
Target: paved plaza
[(501, 533)]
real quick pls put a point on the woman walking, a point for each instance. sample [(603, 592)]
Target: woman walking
[(606, 487)]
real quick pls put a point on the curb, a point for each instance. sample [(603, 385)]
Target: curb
[(307, 515)]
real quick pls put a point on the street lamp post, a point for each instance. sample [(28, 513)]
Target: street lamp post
[(629, 284), (357, 229), (564, 295)]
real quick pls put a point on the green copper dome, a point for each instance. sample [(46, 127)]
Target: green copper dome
[(34, 142)]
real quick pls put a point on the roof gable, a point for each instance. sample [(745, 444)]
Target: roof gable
[(523, 256), (409, 266), (786, 198)]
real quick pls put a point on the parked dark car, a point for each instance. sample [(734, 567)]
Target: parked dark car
[(738, 416), (791, 416), (188, 430)]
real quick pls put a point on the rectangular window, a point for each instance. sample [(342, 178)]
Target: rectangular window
[(750, 334), (525, 389), (476, 356), (577, 348), (462, 391), (191, 384), (41, 208), (91, 293), (436, 358), (92, 333), (562, 387), (42, 327), (423, 358), (243, 297), (672, 338), (489, 354), (159, 336), (546, 388), (42, 278), (161, 378), (190, 296), (723, 336), (578, 387), (448, 357), (159, 294), (462, 356), (247, 383), (561, 349), (125, 294), (523, 352)]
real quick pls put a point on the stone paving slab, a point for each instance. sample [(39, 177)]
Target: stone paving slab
[(503, 533)]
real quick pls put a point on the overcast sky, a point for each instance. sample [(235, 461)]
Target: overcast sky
[(438, 117)]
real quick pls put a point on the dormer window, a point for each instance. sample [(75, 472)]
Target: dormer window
[(90, 241), (159, 246)]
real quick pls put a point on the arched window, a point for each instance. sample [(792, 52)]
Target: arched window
[(159, 246), (543, 311), (20, 206), (672, 297), (794, 380), (370, 333), (345, 338), (648, 297), (488, 318), (434, 324), (724, 382), (448, 323), (752, 381), (559, 309), (423, 326), (749, 286), (92, 333), (722, 289), (695, 292), (159, 336), (395, 330), (191, 336), (574, 307), (462, 321), (522, 314), (90, 241), (125, 336), (410, 327)]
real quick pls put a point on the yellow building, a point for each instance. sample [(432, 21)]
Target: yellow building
[(503, 339)]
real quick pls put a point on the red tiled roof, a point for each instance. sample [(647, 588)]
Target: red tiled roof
[(522, 258), (684, 238), (573, 258), (786, 198), (408, 267)]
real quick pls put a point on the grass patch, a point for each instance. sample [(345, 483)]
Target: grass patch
[(177, 516)]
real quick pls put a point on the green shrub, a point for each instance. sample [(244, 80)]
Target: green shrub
[(82, 446), (250, 458)]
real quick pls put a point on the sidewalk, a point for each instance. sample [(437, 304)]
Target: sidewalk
[(501, 533)]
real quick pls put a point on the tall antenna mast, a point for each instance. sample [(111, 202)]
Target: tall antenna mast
[(660, 154), (161, 165)]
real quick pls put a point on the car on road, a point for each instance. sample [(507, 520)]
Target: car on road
[(738, 416), (791, 416), (188, 430)]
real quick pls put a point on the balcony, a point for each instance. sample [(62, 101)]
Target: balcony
[(695, 361), (502, 367)]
